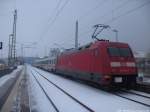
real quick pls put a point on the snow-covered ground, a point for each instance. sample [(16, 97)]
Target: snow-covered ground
[(37, 99), (61, 100), (6, 77), (142, 93), (98, 100), (146, 80)]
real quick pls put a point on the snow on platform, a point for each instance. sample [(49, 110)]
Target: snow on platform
[(6, 77), (98, 100)]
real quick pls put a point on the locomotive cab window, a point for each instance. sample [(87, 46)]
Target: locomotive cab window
[(123, 52), (113, 51)]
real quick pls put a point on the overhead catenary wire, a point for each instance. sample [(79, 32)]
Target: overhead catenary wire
[(55, 9), (102, 16), (50, 18), (54, 19), (121, 15), (93, 9), (113, 10), (128, 12), (101, 3)]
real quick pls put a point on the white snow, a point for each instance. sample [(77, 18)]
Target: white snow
[(136, 98), (139, 92), (146, 80), (6, 77), (38, 100), (59, 98), (98, 100)]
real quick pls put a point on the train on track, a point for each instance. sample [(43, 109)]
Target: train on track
[(102, 62)]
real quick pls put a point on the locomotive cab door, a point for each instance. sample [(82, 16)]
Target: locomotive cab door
[(95, 60)]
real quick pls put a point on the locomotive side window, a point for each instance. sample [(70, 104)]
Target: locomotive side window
[(113, 51)]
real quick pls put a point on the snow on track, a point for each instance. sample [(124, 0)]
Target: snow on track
[(38, 100), (143, 100), (56, 95), (96, 99), (139, 92)]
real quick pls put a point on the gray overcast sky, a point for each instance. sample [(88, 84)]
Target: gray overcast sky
[(53, 21)]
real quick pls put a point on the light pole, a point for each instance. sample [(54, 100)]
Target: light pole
[(116, 34), (76, 35), (10, 50)]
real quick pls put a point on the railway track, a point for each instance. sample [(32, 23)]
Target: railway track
[(53, 104), (143, 88), (133, 96), (62, 90), (125, 95), (136, 93)]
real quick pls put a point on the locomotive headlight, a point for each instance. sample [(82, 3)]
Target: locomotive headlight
[(115, 64), (130, 64)]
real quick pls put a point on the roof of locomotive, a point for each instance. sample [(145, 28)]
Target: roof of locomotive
[(110, 43), (93, 45)]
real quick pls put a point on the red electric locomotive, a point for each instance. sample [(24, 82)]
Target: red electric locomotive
[(103, 62)]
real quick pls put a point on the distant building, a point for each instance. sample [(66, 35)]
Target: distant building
[(143, 62)]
